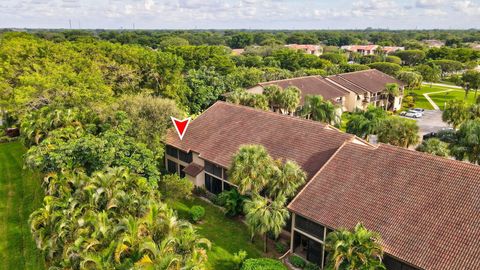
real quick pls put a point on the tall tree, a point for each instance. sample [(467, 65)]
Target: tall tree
[(288, 177), (316, 108), (398, 131), (252, 169), (456, 113), (467, 143), (411, 79), (429, 73), (435, 147), (392, 91), (265, 216), (471, 80), (354, 250)]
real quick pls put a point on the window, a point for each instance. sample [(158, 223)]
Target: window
[(172, 151), (225, 175), (171, 166), (309, 227), (184, 156), (226, 186), (213, 184), (213, 169), (182, 173)]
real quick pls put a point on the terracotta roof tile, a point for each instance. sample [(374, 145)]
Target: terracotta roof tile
[(370, 80), (311, 85), (218, 133), (426, 208), (193, 169)]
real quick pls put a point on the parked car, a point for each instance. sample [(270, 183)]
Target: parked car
[(429, 135), (413, 114), (418, 110)]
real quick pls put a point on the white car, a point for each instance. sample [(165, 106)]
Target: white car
[(413, 114)]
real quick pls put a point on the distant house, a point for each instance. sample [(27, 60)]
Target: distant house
[(238, 51), (350, 91), (306, 48), (433, 43), (371, 49), (475, 46)]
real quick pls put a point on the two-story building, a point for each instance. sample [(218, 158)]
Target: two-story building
[(205, 153), (426, 208), (350, 91)]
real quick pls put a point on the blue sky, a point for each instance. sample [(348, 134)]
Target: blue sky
[(255, 14)]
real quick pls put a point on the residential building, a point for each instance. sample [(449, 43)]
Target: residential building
[(371, 49), (425, 208), (351, 91), (307, 48), (433, 43), (238, 51), (204, 155), (367, 88), (309, 85)]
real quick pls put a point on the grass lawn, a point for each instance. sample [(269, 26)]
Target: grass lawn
[(20, 194), (227, 235), (439, 99)]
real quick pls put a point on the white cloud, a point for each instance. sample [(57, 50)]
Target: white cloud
[(467, 7), (429, 4), (435, 12)]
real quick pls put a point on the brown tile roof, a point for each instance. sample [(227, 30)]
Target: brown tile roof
[(193, 169), (426, 208), (347, 84), (371, 80), (218, 133), (311, 85)]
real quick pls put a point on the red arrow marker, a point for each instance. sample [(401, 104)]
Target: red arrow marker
[(180, 125)]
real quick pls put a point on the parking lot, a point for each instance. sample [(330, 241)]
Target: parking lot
[(430, 122)]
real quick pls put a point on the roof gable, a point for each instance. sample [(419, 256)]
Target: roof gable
[(219, 132), (426, 208)]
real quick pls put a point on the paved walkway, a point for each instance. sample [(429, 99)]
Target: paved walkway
[(444, 85), (434, 105)]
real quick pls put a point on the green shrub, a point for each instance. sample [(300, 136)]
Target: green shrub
[(199, 191), (197, 213), (297, 261), (211, 197), (263, 264), (311, 266), (174, 187), (239, 258), (232, 201), (280, 247)]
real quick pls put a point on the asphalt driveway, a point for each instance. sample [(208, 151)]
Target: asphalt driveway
[(430, 122)]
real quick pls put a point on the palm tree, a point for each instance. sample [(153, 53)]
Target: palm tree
[(456, 113), (354, 250), (273, 94), (467, 145), (316, 108), (251, 169), (392, 91), (287, 179), (289, 100), (434, 146), (265, 216), (112, 220)]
